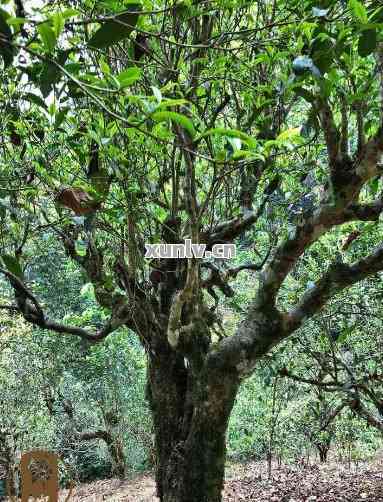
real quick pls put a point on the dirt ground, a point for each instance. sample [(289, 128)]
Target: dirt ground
[(314, 483)]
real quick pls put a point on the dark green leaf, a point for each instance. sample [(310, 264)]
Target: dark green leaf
[(51, 73), (377, 16), (374, 186), (12, 265), (60, 116), (4, 27), (49, 76), (322, 51), (305, 94), (34, 98), (324, 61), (367, 43), (6, 49), (74, 91), (115, 30), (33, 72)]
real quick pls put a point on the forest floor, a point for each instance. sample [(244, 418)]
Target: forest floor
[(331, 482)]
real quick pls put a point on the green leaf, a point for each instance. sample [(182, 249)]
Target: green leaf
[(47, 35), (367, 42), (289, 134), (322, 52), (180, 119), (6, 50), (60, 116), (157, 93), (16, 21), (241, 154), (34, 98), (100, 183), (58, 23), (173, 102), (359, 10), (116, 29), (12, 265), (231, 133), (377, 15), (4, 27), (105, 68), (345, 333), (67, 13), (129, 76), (323, 61), (51, 74), (374, 186)]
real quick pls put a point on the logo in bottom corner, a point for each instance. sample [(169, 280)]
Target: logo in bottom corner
[(38, 474)]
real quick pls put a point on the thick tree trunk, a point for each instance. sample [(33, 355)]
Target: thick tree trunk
[(116, 450), (190, 415), (323, 452)]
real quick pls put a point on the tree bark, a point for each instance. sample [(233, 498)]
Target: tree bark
[(190, 414), (323, 452), (116, 450)]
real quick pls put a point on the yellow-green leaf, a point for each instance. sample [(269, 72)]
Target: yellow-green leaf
[(48, 36), (231, 133), (180, 119)]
